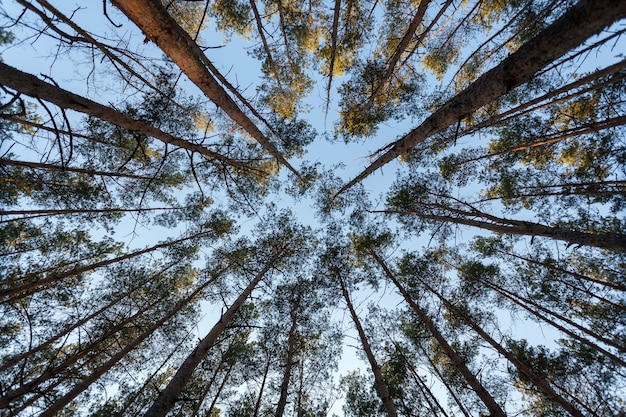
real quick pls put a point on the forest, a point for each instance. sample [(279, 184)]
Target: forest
[(311, 208)]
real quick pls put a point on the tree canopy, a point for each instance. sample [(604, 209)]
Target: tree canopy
[(313, 208)]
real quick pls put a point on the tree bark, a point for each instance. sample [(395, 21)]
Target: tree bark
[(291, 342), (582, 21), (611, 241), (156, 23), (53, 167), (257, 405), (34, 87)]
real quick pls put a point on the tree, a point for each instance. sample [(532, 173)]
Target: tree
[(158, 260)]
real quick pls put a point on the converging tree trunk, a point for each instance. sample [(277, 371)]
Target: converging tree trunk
[(34, 87), (156, 23), (381, 386), (491, 404), (581, 22), (165, 401)]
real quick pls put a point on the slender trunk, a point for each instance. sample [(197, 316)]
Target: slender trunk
[(565, 271), (98, 344), (333, 50), (59, 404), (17, 289), (219, 390), (583, 129), (52, 167), (535, 104), (266, 47), (381, 386), (148, 381), (520, 301), (206, 389), (540, 383), (299, 411), (283, 30), (14, 360), (441, 378), (60, 212), (427, 31), (397, 53), (170, 394), (580, 22), (426, 392), (34, 87), (457, 361), (156, 23), (291, 343), (257, 405)]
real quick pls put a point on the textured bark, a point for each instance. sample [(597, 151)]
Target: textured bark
[(158, 26), (457, 361), (34, 87), (381, 386), (585, 19), (165, 401)]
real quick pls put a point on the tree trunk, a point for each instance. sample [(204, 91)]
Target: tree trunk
[(541, 384), (521, 302), (381, 386), (400, 49), (457, 361), (156, 23), (52, 167), (257, 405), (611, 241), (219, 390), (94, 346), (59, 404), (291, 342), (34, 87), (565, 271), (582, 21), (6, 292), (169, 395), (14, 360)]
